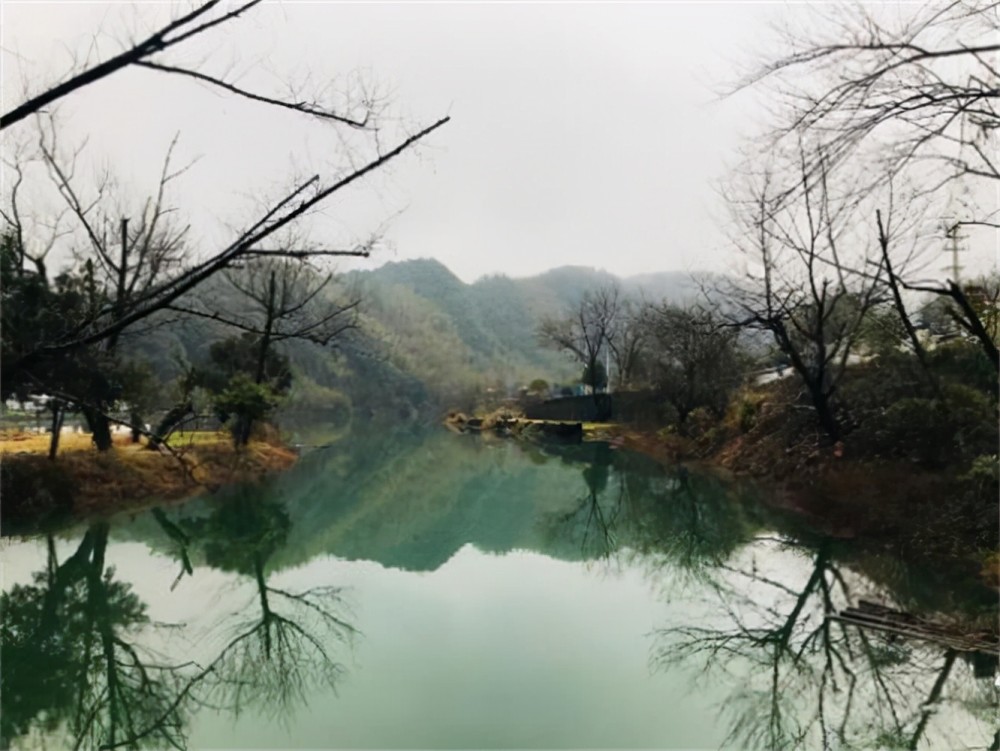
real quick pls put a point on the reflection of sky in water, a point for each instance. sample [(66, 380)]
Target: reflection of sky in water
[(541, 642), (498, 651)]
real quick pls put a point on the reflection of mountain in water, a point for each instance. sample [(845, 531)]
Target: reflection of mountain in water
[(419, 509), (413, 501), (77, 663)]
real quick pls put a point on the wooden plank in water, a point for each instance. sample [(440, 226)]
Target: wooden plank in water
[(889, 617), (874, 615)]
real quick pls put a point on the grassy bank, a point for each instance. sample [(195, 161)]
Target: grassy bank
[(881, 499), (82, 482), (917, 488)]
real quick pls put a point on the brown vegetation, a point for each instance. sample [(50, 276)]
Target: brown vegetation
[(83, 481), (848, 490)]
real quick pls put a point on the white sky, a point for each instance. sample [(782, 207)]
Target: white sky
[(585, 134), (581, 134)]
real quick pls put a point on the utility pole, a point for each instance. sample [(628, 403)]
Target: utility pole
[(607, 368), (956, 267), (953, 230)]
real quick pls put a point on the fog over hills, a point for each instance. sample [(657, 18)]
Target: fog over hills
[(446, 331), (424, 340), (549, 293)]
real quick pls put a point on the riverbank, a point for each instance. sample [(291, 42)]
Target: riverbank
[(845, 496), (83, 482), (847, 490)]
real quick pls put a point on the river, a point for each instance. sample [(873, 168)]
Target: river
[(426, 590)]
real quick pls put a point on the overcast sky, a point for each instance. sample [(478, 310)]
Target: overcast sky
[(585, 134)]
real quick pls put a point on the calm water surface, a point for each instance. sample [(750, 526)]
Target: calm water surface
[(425, 590)]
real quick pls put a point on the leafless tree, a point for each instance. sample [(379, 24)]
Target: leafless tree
[(897, 92), (894, 284), (118, 269), (143, 270), (625, 340), (306, 196), (904, 98), (585, 331), (692, 358), (277, 300), (799, 286), (283, 300), (33, 238), (148, 54)]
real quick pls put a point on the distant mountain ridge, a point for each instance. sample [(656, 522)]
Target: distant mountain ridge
[(458, 336), (424, 341), (566, 283)]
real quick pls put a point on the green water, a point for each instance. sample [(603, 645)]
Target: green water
[(425, 590)]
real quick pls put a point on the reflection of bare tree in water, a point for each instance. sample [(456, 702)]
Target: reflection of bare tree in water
[(804, 681), (271, 661), (71, 660), (810, 682), (275, 660), (73, 664), (594, 519), (691, 522), (688, 521)]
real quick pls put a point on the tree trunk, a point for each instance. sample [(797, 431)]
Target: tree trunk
[(817, 383), (824, 412), (58, 414), (974, 324), (244, 425), (100, 428), (61, 578), (169, 422), (265, 338), (265, 608), (241, 430), (904, 317), (929, 706), (968, 320), (136, 419)]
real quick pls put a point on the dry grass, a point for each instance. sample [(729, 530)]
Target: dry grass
[(16, 442), (128, 476), (20, 442)]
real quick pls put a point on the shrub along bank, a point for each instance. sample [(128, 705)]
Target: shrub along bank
[(915, 472)]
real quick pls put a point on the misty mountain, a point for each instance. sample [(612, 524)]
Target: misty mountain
[(446, 331), (424, 338)]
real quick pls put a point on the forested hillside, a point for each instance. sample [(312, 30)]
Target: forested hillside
[(421, 339), (459, 339)]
